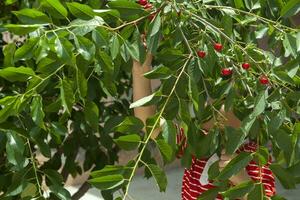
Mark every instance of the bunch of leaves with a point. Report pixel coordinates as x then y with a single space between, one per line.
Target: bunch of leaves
66 89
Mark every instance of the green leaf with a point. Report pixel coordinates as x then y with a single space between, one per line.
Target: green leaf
26 50
165 149
257 193
239 190
60 192
155 26
235 137
291 8
110 170
128 142
82 27
31 16
260 104
29 191
64 49
13 74
160 72
37 136
9 52
127 9
146 101
10 106
21 29
55 177
55 8
85 47
66 95
37 112
107 182
286 179
247 124
210 194
114 47
107 64
235 165
239 4
14 149
81 11
100 37
290 45
91 114
130 125
169 133
159 175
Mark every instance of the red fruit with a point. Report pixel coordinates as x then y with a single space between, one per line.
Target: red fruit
201 54
226 72
142 2
148 6
218 47
245 66
264 80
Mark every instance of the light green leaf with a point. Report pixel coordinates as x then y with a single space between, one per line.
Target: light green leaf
159 175
239 190
128 142
22 29
29 191
31 16
127 9
37 112
114 47
60 192
81 11
169 133
55 8
110 170
165 149
26 50
91 114
146 101
85 47
235 165
107 182
290 45
291 8
155 26
64 49
9 52
260 104
160 72
82 27
13 74
66 95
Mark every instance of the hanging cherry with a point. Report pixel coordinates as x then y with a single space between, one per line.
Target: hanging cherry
264 80
148 6
201 54
143 2
218 47
246 66
226 72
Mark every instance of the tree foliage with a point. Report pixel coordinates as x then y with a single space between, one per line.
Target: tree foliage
65 90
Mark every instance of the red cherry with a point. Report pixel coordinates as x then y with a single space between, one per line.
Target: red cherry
201 54
142 2
218 47
226 72
148 6
264 80
245 66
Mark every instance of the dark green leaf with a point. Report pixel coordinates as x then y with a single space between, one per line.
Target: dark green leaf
234 139
284 176
257 193
291 8
169 133
160 72
239 190
60 192
20 29
14 149
165 149
64 49
210 194
114 47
